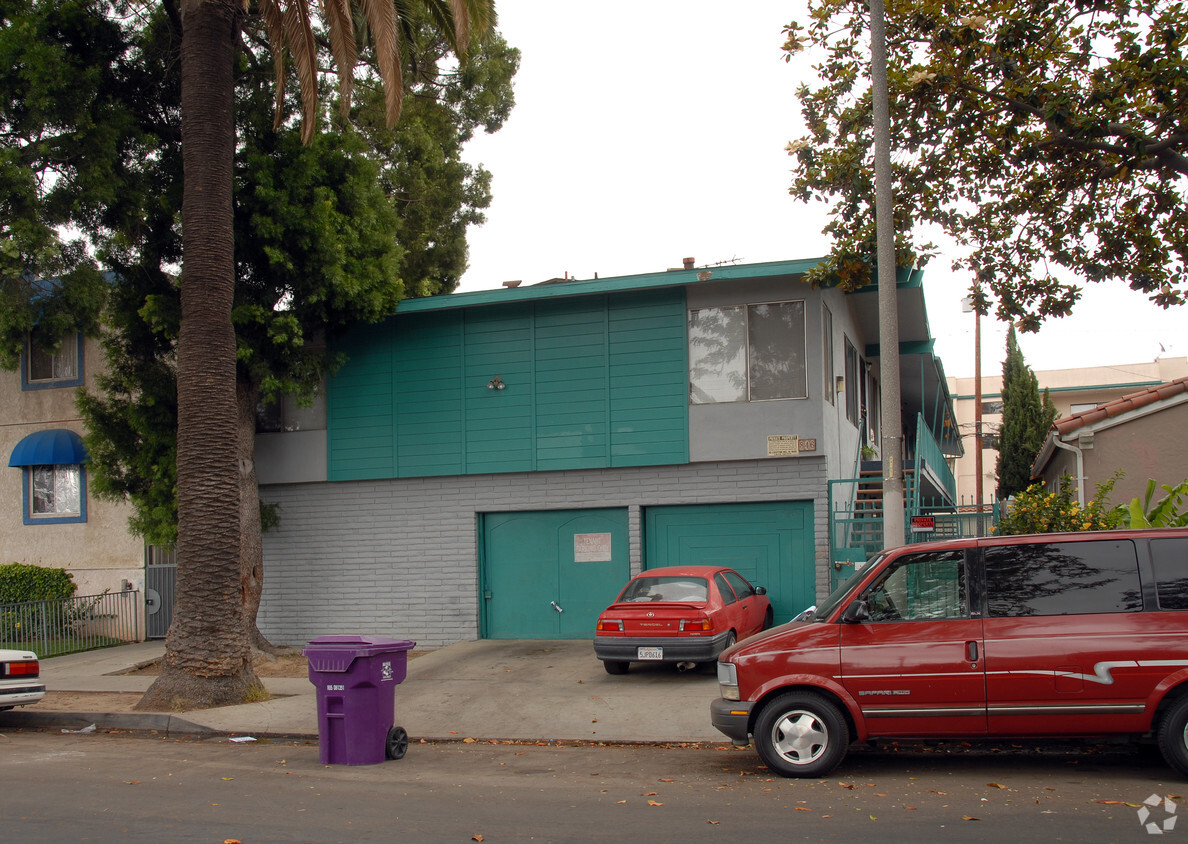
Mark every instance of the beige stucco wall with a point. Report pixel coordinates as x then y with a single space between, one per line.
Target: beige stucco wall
100 552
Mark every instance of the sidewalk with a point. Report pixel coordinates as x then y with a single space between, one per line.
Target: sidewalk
489 689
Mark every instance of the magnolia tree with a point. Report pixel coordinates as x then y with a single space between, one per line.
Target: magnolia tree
1050 139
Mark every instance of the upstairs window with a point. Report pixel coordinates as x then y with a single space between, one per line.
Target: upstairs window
747 353
851 383
827 352
43 367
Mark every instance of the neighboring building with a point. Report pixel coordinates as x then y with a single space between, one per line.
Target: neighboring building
1141 434
497 464
47 515
1072 391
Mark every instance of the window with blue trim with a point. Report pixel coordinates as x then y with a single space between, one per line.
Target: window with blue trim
53 474
55 494
43 367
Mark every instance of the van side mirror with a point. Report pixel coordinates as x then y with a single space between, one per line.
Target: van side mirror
760 590
856 613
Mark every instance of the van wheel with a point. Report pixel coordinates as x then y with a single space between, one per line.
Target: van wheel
615 666
1173 736
801 734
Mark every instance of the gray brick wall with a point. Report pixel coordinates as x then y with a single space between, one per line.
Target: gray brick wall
400 557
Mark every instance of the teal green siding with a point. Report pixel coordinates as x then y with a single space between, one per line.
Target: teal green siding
770 544
429 418
591 382
360 407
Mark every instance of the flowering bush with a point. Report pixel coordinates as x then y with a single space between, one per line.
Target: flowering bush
1037 510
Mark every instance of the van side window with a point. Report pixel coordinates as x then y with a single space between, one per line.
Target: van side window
1170 558
920 586
1062 578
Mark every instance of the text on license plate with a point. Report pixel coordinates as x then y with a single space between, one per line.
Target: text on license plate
649 653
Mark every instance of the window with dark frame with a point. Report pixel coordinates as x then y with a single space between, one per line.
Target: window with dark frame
44 366
747 353
851 384
827 353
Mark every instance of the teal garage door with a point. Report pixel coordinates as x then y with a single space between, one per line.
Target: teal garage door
770 544
547 575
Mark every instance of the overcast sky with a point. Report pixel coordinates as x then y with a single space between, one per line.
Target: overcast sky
647 131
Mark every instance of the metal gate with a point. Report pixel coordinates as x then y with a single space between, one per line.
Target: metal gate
160 588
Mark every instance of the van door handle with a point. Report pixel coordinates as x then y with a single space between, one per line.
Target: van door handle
971 651
557 608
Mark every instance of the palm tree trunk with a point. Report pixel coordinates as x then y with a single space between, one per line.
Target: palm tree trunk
251 546
207 659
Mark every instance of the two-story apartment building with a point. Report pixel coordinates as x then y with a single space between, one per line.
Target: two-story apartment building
47 515
497 464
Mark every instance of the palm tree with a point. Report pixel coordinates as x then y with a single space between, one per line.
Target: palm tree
208 655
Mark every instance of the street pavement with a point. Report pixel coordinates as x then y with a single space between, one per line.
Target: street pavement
486 690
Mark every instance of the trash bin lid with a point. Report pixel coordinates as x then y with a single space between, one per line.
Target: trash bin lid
336 653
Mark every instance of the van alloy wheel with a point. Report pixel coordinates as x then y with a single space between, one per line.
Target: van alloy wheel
801 734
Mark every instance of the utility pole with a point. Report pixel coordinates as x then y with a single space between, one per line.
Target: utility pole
973 304
894 530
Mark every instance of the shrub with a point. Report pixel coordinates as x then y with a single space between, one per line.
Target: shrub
20 582
1165 512
1036 510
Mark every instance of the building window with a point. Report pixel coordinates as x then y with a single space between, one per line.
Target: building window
827 352
289 414
54 480
1081 408
747 353
55 494
42 367
851 383
991 407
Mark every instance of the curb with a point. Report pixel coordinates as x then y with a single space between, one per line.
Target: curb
159 722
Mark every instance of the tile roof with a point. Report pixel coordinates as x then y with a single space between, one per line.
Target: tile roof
1117 407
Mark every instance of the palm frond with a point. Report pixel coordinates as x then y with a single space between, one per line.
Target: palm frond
341 25
300 40
271 13
382 20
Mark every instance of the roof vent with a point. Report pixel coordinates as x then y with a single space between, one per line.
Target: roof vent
511 284
688 263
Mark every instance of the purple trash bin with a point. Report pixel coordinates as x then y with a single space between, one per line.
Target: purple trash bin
356 679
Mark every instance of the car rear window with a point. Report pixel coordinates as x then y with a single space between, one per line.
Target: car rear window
688 589
1170 558
1062 578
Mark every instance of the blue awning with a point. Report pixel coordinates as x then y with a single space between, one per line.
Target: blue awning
55 447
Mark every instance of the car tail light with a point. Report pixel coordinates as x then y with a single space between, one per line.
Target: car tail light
695 625
27 668
610 625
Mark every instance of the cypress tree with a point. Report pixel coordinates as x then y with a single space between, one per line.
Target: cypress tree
1025 421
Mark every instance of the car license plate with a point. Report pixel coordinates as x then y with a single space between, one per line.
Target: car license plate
649 653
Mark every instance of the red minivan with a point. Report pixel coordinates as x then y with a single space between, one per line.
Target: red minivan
1074 634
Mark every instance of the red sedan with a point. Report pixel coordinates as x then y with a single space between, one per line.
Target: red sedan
681 614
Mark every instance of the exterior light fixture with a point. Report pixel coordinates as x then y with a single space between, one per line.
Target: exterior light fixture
496 383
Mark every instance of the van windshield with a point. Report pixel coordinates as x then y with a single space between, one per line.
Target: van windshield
842 592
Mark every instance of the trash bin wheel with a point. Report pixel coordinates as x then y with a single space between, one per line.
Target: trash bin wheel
397 743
